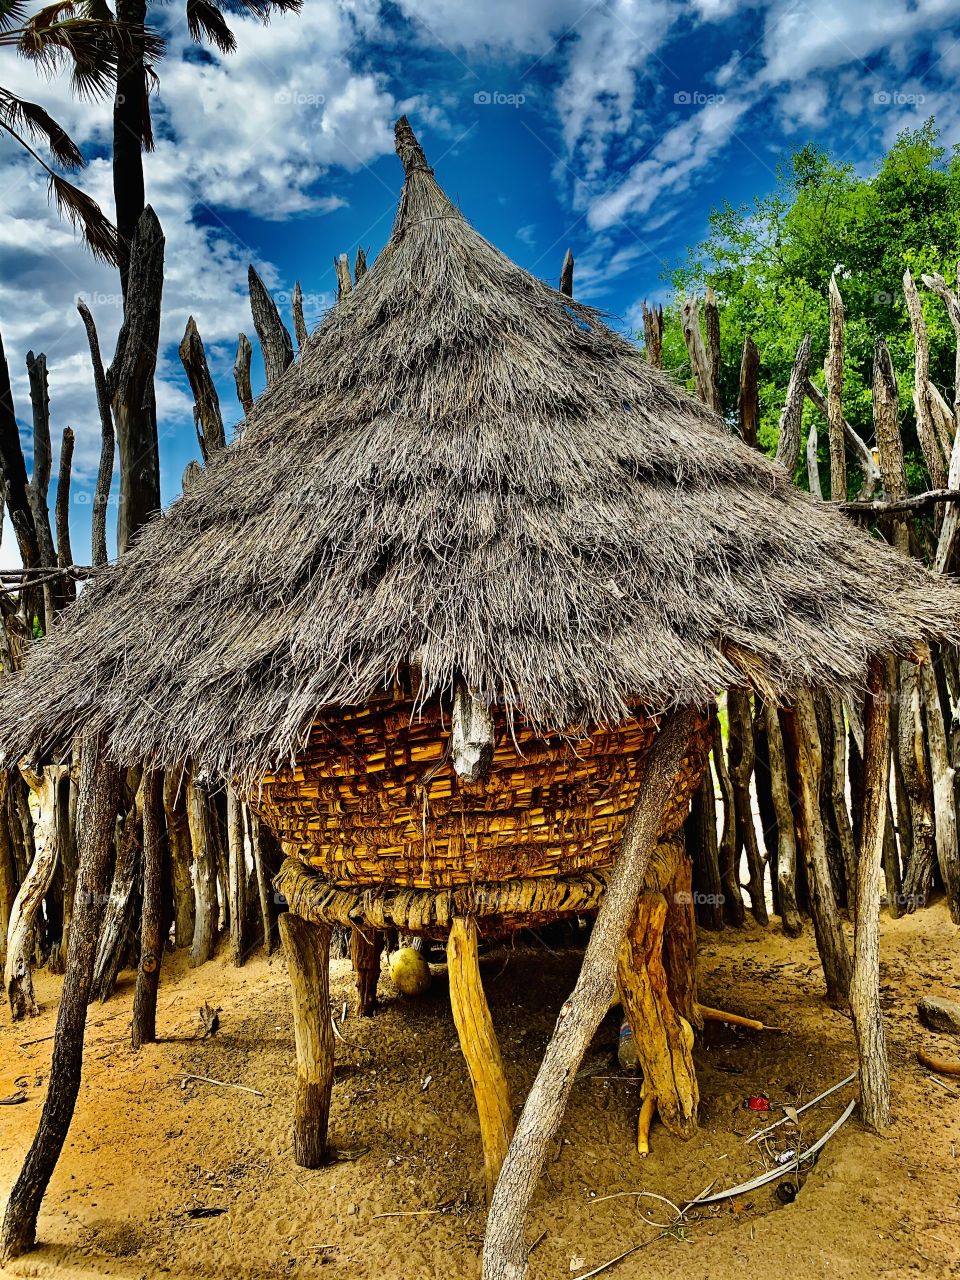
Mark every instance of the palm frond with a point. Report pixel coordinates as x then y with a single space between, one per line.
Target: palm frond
206 22
12 14
99 233
22 114
263 10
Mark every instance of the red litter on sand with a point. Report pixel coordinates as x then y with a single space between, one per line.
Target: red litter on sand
758 1102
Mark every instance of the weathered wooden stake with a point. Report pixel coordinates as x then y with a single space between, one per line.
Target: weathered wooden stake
365 949
799 724
471 1015
155 858
663 1039
865 980
307 948
99 795
504 1252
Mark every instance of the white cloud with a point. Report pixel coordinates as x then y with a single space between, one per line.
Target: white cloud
683 151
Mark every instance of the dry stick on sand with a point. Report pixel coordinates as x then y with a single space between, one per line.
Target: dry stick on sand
504 1253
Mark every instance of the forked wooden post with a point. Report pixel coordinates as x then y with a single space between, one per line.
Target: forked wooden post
307 948
478 1040
662 1037
366 946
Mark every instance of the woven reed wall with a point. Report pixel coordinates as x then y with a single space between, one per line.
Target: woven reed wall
374 799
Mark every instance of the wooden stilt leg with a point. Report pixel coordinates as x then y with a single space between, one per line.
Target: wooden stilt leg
680 942
663 1038
307 948
97 811
479 1044
365 948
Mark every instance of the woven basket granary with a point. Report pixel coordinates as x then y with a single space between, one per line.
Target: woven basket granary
374 798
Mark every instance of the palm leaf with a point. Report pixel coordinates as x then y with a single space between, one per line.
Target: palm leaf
12 14
99 233
206 22
21 114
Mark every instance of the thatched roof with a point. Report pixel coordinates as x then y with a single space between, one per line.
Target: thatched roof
467 467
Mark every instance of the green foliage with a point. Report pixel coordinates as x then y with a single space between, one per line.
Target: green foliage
770 266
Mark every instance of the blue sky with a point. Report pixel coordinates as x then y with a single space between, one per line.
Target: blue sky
612 128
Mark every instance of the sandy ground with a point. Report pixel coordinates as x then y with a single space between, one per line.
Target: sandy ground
146 1148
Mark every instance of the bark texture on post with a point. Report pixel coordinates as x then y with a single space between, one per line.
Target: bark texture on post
122 902
206 409
478 1041
299 324
791 417
181 856
236 878
307 948
699 363
130 382
241 373
663 1042
799 724
741 768
18 968
748 404
504 1253
202 837
42 467
275 342
101 496
263 880
99 795
865 980
151 927
786 835
653 335
733 908
702 846
566 275
68 588
365 951
833 369
926 428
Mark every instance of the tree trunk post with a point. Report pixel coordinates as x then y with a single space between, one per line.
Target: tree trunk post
151 929
478 1040
365 954
206 915
236 878
865 980
786 835
99 796
18 970
504 1252
663 1039
307 948
799 724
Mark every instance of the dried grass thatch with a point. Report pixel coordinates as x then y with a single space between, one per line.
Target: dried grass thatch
466 467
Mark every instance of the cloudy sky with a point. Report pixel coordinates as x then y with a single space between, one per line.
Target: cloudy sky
609 127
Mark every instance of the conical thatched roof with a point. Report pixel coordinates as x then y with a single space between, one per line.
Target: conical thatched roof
467 467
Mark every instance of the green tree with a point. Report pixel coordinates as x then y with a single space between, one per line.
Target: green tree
770 265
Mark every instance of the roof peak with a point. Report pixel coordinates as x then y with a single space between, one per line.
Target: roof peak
408 148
